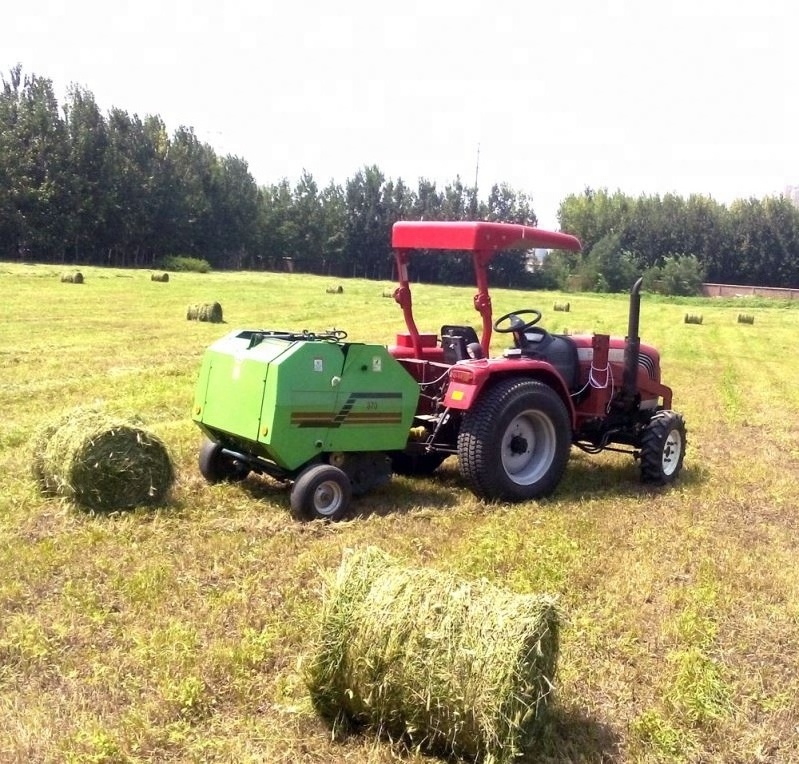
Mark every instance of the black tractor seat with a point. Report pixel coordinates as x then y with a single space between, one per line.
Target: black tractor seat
559 350
460 343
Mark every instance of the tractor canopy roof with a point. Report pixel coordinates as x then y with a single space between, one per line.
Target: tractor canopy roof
477 236
483 239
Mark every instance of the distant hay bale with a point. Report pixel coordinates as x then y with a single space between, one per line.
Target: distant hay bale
452 666
691 318
388 293
562 306
75 277
101 462
746 318
211 312
335 290
162 277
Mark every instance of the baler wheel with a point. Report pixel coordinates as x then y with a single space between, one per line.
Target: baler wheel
514 443
663 448
217 467
321 492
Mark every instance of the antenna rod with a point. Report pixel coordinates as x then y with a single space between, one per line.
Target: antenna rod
476 173
476 169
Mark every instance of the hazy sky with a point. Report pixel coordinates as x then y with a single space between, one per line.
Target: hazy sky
689 96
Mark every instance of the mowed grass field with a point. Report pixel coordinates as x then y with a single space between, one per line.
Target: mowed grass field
177 634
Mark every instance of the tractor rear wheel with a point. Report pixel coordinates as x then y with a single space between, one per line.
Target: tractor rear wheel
218 467
321 492
663 447
514 444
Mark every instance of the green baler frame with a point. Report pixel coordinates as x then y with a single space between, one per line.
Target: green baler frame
289 401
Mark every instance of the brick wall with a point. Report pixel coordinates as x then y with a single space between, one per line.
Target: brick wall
733 290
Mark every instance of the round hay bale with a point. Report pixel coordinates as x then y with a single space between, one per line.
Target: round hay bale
746 318
388 293
38 447
457 667
562 306
691 318
101 462
211 312
72 278
162 277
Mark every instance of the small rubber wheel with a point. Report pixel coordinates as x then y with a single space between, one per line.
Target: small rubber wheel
321 492
663 448
217 467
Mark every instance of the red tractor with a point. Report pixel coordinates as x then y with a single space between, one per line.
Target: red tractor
511 420
333 418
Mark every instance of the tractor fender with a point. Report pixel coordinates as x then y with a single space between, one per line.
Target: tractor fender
467 383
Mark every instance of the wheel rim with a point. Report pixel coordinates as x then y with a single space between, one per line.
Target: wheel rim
528 447
672 449
328 498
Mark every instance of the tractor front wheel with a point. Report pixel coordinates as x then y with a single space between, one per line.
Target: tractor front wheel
217 466
322 492
663 448
514 443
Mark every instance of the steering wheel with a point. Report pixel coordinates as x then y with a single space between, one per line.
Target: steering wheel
515 323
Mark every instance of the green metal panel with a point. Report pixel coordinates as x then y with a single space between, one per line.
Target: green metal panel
299 401
230 389
324 397
376 402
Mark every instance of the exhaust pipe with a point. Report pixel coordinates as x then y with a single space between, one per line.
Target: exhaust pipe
632 345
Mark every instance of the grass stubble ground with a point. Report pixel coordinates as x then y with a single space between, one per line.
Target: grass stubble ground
177 634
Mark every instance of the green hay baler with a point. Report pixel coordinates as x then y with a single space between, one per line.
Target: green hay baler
307 408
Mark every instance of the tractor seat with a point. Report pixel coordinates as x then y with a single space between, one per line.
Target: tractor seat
559 350
456 342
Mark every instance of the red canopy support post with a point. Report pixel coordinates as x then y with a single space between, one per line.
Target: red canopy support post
482 300
402 296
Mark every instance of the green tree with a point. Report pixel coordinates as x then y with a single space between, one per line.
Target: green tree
333 210
682 275
609 268
33 144
368 227
233 197
192 167
88 142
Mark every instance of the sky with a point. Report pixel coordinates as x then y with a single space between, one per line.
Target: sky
548 96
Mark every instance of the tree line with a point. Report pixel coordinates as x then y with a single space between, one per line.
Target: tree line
750 242
79 186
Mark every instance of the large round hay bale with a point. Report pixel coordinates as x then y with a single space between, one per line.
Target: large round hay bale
101 462
211 312
75 277
453 666
162 277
